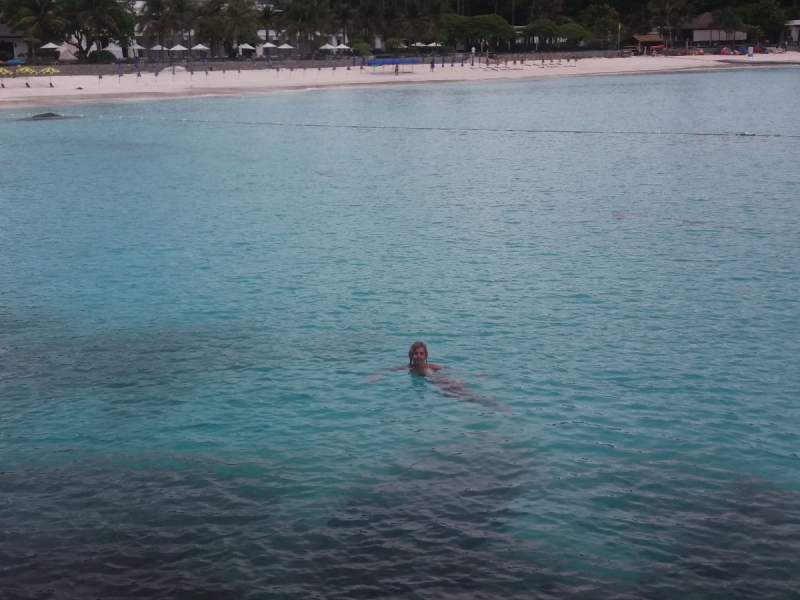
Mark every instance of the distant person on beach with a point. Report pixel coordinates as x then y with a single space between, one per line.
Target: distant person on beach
451 387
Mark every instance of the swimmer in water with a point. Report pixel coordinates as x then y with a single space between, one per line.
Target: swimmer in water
451 387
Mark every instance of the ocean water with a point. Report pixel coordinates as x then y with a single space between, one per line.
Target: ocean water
189 310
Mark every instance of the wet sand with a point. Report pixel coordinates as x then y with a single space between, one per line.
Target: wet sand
91 89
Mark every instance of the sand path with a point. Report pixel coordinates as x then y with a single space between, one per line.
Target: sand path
88 89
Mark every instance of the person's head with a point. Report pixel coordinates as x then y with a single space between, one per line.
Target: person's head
417 354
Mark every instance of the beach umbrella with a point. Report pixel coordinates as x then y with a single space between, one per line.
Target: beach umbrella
246 46
50 46
327 47
420 45
15 61
268 45
285 47
26 71
136 47
176 48
157 47
342 47
49 71
433 45
202 48
5 72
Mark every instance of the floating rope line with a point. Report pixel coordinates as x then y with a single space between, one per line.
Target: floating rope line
458 129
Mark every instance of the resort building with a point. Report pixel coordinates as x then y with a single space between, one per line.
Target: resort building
702 31
12 44
791 33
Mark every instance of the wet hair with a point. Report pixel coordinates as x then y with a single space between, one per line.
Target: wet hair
413 349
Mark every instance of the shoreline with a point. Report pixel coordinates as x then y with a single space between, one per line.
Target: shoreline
86 89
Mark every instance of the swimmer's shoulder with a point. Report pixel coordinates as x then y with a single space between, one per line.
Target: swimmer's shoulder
434 367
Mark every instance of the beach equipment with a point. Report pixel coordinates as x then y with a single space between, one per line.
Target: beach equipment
285 47
26 71
178 48
49 71
50 46
268 45
15 61
246 46
342 47
433 45
157 47
420 45
136 47
327 47
199 47
5 72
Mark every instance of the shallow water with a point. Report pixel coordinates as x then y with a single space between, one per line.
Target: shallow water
189 310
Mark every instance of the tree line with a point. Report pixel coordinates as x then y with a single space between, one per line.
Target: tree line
229 23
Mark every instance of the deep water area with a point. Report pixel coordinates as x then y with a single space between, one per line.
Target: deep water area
193 297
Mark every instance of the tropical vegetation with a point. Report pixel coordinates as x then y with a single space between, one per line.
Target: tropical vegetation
402 23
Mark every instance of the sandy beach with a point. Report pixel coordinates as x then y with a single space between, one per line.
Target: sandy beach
181 84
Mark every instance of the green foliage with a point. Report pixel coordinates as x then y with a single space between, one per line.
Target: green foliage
361 49
395 45
766 16
728 19
601 20
543 28
573 32
104 57
488 27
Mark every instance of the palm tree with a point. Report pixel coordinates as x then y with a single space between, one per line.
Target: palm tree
158 22
208 21
182 18
241 19
106 18
304 18
368 19
667 14
436 11
343 18
40 20
415 20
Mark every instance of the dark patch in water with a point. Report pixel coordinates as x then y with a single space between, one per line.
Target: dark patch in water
49 116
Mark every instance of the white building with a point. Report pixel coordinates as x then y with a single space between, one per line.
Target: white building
704 32
12 42
791 32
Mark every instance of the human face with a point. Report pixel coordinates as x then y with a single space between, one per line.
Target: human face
419 356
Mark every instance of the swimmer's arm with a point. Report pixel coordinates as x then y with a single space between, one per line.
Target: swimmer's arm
467 373
378 374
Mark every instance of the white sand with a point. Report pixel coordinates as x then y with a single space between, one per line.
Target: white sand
182 84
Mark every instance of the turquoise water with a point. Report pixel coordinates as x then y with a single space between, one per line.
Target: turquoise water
189 311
